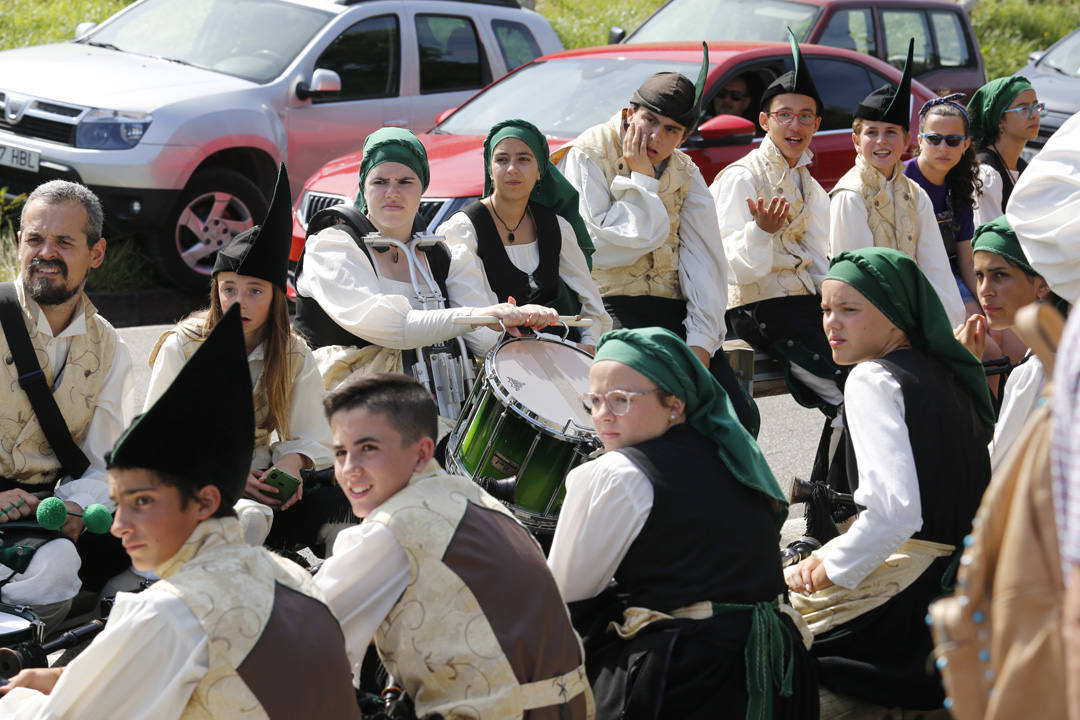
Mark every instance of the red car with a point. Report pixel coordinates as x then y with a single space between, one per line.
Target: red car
568 92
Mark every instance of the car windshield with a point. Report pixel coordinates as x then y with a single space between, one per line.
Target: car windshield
1065 58
251 39
561 97
747 20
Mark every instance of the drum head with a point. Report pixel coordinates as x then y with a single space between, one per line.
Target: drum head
547 378
12 623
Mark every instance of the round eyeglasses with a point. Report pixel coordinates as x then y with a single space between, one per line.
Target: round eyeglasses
1026 111
618 401
786 118
936 138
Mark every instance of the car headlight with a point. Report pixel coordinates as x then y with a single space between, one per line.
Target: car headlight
111 129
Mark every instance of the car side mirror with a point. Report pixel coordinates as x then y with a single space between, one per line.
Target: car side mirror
615 35
445 114
726 130
324 83
84 28
1036 56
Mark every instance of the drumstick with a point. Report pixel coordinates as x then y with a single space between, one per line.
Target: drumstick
570 320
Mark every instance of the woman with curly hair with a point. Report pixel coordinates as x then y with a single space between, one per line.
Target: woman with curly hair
945 167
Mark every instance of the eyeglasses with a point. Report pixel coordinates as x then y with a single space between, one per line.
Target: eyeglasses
618 401
936 138
785 118
1026 111
736 95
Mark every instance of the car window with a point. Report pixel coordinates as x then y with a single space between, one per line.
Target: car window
577 94
852 29
367 56
204 33
516 43
900 26
1065 58
451 57
952 46
842 85
748 20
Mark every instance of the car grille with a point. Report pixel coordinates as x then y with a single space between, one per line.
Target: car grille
313 203
43 120
429 210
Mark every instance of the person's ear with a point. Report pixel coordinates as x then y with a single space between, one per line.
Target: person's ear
425 450
97 253
855 140
763 121
208 499
1042 290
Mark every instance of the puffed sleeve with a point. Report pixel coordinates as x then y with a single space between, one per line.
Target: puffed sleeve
575 273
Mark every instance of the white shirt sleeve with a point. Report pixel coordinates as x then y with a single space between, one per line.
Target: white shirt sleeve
888 482
816 240
362 581
703 271
934 261
607 503
625 218
112 413
1044 208
748 248
988 200
339 277
467 287
849 223
575 273
1022 392
309 431
143 666
167 364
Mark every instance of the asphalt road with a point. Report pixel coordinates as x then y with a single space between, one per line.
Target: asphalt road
788 437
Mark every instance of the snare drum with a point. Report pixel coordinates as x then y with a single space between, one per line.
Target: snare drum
19 624
524 424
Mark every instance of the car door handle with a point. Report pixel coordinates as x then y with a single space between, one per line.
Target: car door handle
395 123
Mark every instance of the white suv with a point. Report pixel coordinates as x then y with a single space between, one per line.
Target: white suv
176 112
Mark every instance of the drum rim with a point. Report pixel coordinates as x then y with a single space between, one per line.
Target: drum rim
577 432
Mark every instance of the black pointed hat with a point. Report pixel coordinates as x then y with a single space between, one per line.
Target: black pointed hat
796 81
262 251
672 95
891 104
202 428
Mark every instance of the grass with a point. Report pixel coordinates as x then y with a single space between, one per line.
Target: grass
1010 29
579 23
32 22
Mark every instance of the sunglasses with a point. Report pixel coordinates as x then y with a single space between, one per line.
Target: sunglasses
1026 111
936 138
736 95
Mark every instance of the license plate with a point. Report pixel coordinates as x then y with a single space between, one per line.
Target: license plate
19 158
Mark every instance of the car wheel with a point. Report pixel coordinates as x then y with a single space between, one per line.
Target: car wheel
215 206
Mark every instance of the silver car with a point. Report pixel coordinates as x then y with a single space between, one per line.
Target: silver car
177 112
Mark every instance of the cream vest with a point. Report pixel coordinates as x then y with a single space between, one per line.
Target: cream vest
25 454
894 218
437 641
188 330
229 586
655 273
790 273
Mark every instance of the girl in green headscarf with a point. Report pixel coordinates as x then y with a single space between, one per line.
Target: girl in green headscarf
917 416
1006 283
527 231
359 308
683 513
1004 116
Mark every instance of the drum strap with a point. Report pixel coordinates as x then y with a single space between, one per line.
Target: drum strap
18 545
33 382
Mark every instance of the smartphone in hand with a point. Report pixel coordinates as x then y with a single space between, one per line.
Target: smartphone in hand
285 483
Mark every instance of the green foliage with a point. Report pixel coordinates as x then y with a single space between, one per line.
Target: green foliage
33 22
579 23
10 206
1010 29
126 267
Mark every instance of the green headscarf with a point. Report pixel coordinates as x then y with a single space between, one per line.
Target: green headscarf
897 287
988 106
392 144
552 190
998 237
664 358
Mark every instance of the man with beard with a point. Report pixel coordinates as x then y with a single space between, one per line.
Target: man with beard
87 370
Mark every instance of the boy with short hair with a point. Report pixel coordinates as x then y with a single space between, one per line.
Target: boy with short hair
455 593
208 639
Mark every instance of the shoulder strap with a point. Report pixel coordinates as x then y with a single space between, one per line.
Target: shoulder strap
345 217
32 380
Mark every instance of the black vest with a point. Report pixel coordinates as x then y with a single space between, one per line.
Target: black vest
989 156
311 321
951 458
708 537
505 278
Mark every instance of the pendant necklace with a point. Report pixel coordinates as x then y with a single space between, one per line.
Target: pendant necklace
510 230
